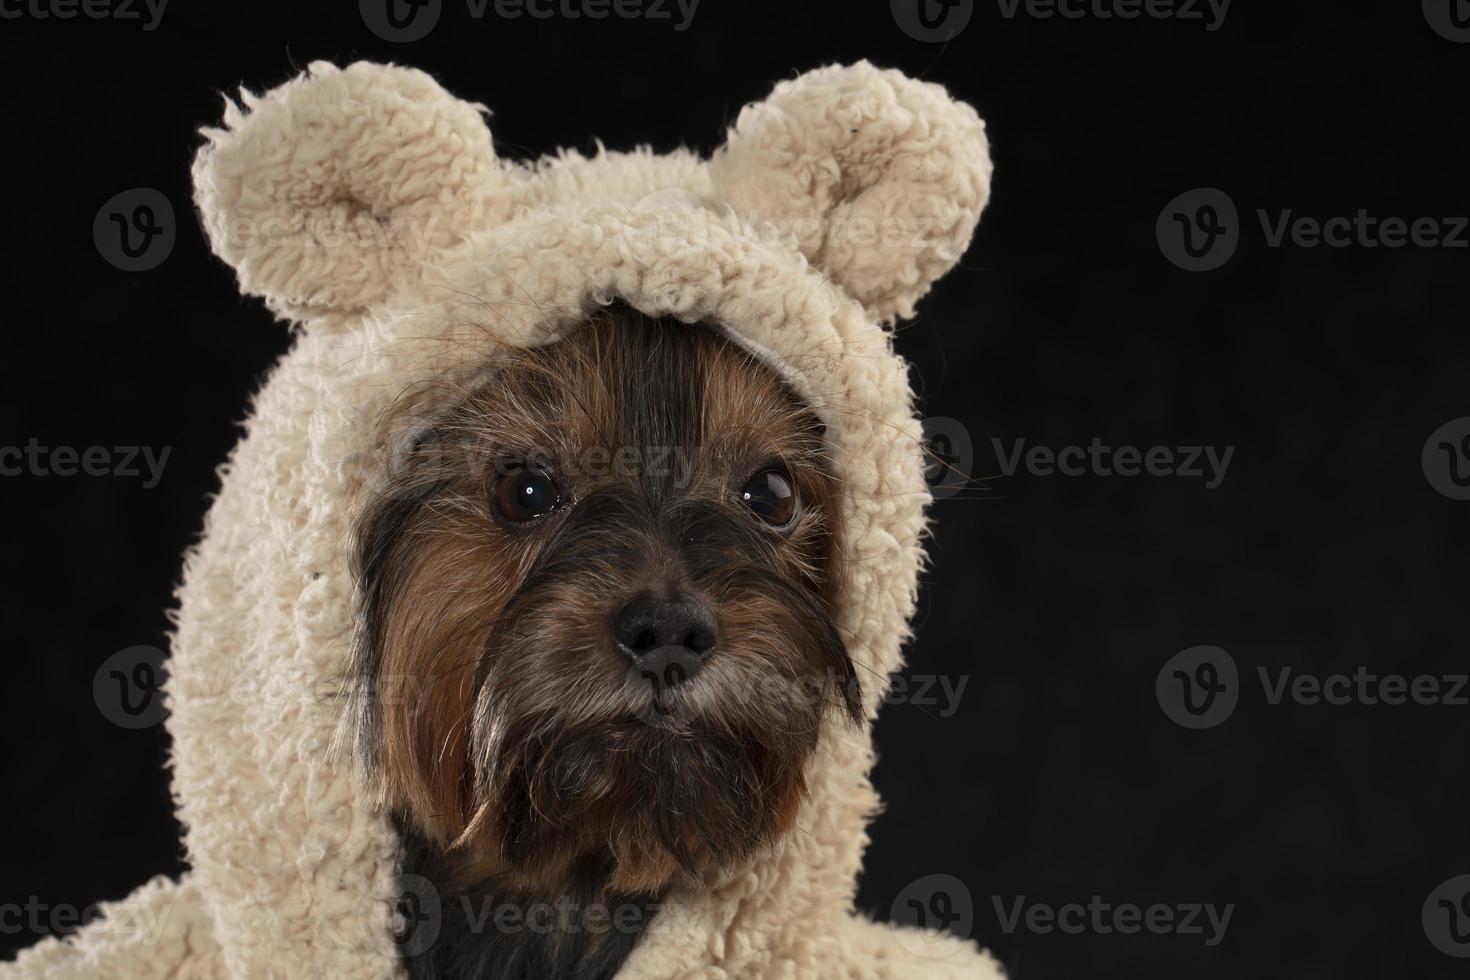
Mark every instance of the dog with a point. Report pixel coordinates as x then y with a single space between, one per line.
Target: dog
595 636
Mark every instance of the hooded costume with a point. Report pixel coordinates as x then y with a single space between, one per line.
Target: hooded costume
368 206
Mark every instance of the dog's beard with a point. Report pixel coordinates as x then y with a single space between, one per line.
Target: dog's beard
574 751
494 711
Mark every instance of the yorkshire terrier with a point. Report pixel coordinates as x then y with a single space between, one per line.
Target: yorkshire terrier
596 638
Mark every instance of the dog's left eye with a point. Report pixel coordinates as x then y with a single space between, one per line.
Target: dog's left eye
522 495
772 496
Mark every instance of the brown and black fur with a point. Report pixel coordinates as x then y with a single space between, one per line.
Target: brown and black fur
522 758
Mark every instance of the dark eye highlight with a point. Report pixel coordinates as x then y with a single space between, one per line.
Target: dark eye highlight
772 496
520 494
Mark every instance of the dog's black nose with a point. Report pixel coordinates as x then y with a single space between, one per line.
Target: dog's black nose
648 622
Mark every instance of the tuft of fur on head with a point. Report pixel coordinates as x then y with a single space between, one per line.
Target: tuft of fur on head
493 711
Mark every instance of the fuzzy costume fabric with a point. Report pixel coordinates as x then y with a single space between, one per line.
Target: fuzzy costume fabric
368 206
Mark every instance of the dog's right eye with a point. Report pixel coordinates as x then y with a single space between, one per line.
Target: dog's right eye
771 495
521 495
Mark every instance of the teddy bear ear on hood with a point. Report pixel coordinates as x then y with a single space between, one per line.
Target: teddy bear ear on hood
338 189
879 177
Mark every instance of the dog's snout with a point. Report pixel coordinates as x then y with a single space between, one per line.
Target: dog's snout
649 622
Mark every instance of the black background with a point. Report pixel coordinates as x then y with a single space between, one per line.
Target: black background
1059 777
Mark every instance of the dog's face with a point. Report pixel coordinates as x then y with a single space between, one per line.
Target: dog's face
597 610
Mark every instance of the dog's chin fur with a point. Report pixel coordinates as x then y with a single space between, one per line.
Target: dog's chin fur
503 727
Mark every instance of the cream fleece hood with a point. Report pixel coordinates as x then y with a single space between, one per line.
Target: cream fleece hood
367 205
